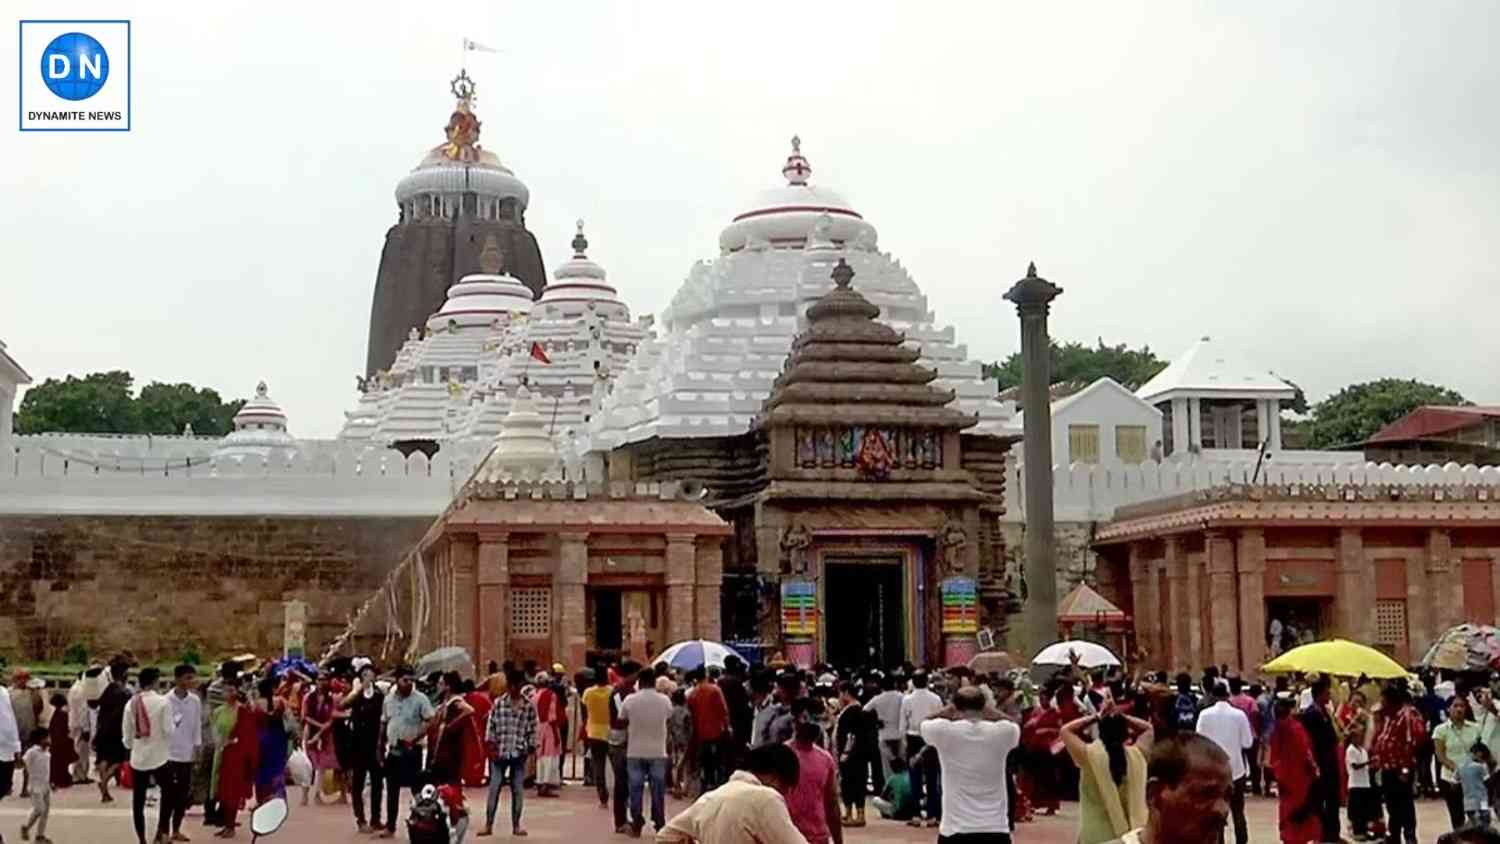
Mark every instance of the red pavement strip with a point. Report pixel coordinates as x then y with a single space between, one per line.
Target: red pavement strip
78 818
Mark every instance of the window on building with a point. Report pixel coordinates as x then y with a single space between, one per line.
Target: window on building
1130 443
1249 426
531 613
1083 444
1390 622
1207 428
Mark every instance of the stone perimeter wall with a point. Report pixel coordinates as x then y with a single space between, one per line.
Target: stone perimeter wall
156 584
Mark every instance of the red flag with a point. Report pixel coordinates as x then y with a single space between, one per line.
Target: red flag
537 353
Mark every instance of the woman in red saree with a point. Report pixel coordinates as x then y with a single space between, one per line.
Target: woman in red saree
451 733
1296 777
1041 739
236 758
475 763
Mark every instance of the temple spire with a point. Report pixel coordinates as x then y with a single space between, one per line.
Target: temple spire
580 243
796 170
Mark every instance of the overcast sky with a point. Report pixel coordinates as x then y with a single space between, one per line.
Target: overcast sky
1315 185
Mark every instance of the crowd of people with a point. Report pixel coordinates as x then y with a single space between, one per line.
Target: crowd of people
769 754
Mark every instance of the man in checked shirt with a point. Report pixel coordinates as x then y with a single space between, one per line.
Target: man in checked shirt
509 737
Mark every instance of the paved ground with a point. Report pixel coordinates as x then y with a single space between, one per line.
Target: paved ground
78 818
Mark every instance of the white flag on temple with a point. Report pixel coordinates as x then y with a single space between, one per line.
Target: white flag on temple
476 46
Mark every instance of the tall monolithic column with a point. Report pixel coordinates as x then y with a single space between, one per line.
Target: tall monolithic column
463 551
1445 585
1032 297
570 643
1250 564
494 599
682 565
1180 653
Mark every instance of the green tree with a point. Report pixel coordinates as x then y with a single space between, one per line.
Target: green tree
1077 362
1356 412
98 403
104 403
166 408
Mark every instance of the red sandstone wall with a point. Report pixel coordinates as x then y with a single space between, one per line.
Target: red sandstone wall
157 584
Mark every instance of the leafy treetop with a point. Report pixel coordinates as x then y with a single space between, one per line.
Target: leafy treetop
105 403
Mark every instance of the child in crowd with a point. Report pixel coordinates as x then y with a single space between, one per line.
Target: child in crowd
679 738
1362 797
38 763
896 802
1471 777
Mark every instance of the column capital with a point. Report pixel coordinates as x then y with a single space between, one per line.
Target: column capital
573 536
681 538
1032 295
493 535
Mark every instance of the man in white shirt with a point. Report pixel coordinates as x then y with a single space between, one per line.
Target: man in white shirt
187 738
974 744
644 714
1230 730
10 743
916 708
886 707
147 732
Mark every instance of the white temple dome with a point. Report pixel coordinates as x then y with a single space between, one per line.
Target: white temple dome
783 216
260 433
523 449
461 165
480 298
580 281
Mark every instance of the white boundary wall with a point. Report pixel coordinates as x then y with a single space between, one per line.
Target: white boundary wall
179 476
1083 493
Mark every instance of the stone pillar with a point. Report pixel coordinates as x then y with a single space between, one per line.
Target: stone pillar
1223 607
1353 588
464 553
1180 653
1032 297
1273 413
1250 564
1445 586
1144 602
682 571
1197 647
709 586
493 611
569 600
1179 426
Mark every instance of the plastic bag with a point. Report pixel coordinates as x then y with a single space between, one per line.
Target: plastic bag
299 768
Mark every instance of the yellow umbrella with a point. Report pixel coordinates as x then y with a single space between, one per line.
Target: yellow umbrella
1336 656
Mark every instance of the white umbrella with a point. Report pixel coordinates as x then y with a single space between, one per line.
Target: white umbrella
1090 654
695 653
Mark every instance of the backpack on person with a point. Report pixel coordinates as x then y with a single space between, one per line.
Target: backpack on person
1185 712
427 821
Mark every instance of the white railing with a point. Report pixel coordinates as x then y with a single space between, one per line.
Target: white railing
1083 493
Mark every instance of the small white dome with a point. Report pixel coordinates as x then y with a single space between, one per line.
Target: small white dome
478 299
259 435
784 216
580 281
523 449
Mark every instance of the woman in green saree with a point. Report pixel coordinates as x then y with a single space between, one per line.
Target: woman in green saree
1111 774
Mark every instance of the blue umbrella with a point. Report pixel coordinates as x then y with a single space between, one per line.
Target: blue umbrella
695 653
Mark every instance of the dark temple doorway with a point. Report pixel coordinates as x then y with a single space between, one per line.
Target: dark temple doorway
864 612
609 619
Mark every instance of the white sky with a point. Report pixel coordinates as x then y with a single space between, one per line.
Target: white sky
1316 186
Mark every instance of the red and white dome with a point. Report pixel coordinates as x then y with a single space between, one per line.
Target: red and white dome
783 217
579 283
478 299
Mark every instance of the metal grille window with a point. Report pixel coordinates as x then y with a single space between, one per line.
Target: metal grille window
1390 622
531 613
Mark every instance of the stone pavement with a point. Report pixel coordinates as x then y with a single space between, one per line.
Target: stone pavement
78 818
